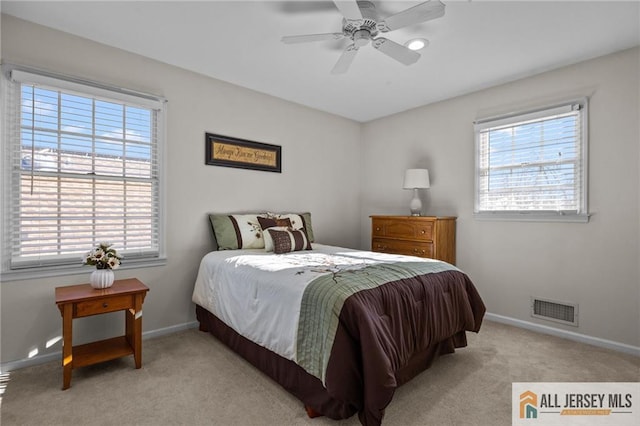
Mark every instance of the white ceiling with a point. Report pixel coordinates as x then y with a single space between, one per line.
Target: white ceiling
477 44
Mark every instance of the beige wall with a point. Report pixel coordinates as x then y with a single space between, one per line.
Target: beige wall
593 264
320 154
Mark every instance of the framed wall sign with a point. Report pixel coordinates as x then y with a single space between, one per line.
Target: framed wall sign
239 153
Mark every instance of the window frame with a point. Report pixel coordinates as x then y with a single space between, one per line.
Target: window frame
582 212
13 77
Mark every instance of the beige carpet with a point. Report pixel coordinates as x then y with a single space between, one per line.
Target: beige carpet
190 378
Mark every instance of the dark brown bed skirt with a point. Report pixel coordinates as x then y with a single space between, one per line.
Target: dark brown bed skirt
306 387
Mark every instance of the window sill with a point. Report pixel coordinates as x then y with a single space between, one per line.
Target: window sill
532 217
56 271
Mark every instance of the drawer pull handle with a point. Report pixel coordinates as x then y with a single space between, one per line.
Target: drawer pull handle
105 305
423 232
377 229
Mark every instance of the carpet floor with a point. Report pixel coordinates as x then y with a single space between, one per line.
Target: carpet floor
190 378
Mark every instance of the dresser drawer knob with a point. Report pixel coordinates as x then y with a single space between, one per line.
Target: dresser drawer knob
423 232
105 305
377 229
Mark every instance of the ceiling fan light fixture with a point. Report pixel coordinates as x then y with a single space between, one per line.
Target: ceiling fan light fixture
361 38
361 24
417 43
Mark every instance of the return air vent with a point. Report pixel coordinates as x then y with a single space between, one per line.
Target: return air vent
562 312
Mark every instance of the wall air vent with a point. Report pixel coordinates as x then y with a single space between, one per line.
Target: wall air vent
562 312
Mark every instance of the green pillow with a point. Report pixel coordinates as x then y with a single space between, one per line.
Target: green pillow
237 231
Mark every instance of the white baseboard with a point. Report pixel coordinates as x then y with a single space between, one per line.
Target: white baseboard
41 359
570 335
169 330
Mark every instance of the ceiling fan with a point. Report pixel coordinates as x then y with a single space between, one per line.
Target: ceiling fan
361 24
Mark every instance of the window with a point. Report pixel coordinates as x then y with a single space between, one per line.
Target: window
83 167
533 166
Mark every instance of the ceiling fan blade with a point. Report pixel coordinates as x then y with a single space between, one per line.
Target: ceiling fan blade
414 15
311 37
303 6
349 9
344 62
396 51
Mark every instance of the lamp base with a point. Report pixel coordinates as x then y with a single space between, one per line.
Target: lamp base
416 204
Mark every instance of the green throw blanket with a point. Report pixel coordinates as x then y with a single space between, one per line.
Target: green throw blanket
324 297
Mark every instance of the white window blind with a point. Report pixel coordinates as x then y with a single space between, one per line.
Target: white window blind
533 165
83 167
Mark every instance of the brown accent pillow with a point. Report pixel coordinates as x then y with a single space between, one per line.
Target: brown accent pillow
286 241
270 222
298 221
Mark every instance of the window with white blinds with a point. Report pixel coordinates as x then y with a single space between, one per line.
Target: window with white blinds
533 166
83 167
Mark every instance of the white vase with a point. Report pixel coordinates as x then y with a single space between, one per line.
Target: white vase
101 278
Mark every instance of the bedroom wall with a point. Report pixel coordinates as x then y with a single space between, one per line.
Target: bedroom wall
596 265
593 264
312 175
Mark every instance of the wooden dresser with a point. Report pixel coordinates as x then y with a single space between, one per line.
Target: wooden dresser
423 236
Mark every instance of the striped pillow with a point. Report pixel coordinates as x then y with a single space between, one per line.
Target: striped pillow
237 231
270 222
289 240
298 221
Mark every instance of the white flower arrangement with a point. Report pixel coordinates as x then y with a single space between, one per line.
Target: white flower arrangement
103 257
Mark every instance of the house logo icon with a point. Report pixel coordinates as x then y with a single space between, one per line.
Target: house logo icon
528 405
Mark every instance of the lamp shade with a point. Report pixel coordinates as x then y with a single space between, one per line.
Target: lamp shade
416 178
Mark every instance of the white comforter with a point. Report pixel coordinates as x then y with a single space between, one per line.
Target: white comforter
258 294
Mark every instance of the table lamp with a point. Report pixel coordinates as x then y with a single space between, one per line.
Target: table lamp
416 179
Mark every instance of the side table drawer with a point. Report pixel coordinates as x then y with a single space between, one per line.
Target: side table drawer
104 305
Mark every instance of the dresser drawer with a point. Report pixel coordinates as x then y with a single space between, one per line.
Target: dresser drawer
410 229
104 305
407 248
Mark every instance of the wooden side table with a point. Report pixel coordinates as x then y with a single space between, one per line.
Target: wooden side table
82 300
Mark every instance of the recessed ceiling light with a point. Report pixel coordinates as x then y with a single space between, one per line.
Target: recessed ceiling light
417 43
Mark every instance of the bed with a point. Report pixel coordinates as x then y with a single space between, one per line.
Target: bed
340 329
